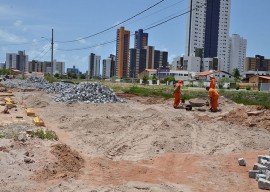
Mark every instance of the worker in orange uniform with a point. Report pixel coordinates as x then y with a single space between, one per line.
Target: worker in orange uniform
213 96
177 93
212 81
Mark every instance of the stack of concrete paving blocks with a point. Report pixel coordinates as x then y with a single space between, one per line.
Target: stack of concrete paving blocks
30 112
9 102
261 172
38 121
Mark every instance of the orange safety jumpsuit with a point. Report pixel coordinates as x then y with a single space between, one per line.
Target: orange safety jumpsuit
212 83
177 93
213 95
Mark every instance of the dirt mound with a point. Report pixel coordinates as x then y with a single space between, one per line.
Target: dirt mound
240 116
143 100
67 165
35 101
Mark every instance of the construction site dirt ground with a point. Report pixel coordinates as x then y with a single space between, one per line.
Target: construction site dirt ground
142 145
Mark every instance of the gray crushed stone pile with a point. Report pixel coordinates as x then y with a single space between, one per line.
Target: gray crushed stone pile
86 92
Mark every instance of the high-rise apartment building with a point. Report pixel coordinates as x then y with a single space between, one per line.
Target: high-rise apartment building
147 58
257 63
122 52
137 62
150 53
45 67
17 61
140 39
58 67
108 67
208 29
160 59
73 70
94 66
237 53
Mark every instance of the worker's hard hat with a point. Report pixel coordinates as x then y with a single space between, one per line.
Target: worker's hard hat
212 76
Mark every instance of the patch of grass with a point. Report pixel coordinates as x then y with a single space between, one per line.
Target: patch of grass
51 79
166 92
8 134
248 97
44 134
245 97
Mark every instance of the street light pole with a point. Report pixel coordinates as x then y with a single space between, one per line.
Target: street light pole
52 55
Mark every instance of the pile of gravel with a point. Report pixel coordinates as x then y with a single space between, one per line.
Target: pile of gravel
67 92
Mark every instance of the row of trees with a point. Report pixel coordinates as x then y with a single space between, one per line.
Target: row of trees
6 72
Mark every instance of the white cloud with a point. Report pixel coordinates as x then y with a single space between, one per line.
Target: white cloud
8 37
18 23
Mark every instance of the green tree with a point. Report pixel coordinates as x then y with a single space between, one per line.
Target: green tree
154 79
56 75
170 79
82 76
74 76
145 79
236 74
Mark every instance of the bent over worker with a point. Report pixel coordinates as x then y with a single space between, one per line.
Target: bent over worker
212 81
177 93
213 96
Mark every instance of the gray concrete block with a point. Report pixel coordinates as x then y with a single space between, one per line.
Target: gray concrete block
267 173
263 157
253 173
263 184
258 166
258 176
241 162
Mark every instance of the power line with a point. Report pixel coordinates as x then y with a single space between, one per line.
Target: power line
158 11
113 25
38 56
151 27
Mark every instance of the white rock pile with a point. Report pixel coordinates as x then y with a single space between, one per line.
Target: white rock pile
86 92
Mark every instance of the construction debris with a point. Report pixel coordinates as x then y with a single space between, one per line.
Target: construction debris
261 172
241 162
86 92
254 113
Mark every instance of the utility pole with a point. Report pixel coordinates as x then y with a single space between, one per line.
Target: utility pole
52 55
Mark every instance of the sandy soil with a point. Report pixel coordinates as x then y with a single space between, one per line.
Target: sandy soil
141 145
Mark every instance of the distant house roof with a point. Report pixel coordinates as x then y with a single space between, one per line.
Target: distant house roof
265 77
260 76
15 70
206 73
150 70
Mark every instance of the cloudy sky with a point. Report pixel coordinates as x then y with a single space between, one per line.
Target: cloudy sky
26 25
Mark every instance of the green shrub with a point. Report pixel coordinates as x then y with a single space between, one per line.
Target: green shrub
44 134
248 88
